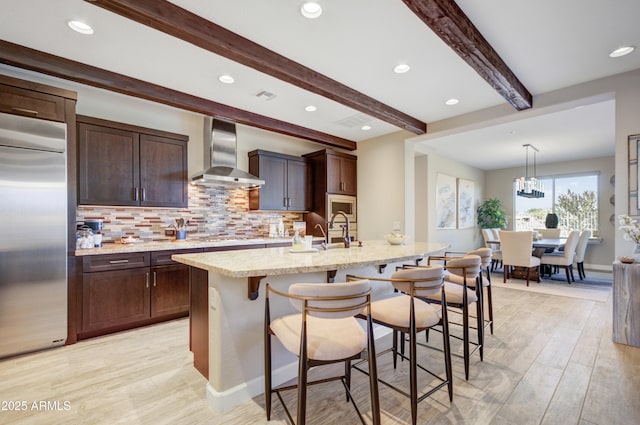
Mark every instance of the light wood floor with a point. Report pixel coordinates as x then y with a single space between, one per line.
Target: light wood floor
550 361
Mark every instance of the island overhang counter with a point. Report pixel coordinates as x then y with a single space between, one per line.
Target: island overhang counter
227 305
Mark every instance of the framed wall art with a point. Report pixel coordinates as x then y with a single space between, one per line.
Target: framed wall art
445 201
466 203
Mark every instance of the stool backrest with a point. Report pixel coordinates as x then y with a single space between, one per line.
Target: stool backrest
331 300
425 280
485 255
468 266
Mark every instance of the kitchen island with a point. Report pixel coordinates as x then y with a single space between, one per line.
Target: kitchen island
227 306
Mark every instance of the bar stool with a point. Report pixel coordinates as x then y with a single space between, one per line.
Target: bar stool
324 332
405 313
486 258
460 272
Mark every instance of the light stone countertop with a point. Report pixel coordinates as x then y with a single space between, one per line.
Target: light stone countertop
279 261
119 248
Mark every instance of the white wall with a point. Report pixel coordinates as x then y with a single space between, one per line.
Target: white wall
381 187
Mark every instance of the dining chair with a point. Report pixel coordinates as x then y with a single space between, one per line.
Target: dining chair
493 235
581 250
516 252
325 331
564 258
407 314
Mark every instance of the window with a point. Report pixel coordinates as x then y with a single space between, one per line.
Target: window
574 198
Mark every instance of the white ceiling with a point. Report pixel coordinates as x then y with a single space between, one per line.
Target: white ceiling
548 44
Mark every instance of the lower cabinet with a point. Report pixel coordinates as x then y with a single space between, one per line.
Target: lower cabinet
115 298
169 290
122 291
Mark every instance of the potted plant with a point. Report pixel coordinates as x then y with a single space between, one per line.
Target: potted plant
492 215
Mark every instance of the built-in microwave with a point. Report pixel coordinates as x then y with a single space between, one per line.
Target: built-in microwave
344 203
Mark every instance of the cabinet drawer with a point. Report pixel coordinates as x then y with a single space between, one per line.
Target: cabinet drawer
18 101
100 263
163 258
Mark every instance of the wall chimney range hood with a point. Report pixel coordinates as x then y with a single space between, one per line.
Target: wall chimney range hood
220 158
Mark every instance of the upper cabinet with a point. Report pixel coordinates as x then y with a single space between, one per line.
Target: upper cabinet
334 172
286 179
35 100
120 164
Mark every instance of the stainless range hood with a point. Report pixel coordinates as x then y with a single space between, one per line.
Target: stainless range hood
220 158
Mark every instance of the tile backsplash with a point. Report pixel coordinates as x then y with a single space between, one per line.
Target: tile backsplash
211 212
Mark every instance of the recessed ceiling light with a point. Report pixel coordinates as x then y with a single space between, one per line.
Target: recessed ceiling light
621 51
365 127
226 79
451 102
401 68
80 27
311 10
310 108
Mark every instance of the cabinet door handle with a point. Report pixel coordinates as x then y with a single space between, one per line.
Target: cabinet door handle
118 261
288 202
135 193
147 279
155 283
284 202
26 111
143 194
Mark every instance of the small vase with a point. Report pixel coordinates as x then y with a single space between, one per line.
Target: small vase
635 254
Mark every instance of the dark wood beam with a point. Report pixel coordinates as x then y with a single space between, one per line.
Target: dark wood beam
449 22
35 60
178 22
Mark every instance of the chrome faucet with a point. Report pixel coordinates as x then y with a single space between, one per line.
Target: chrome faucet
346 229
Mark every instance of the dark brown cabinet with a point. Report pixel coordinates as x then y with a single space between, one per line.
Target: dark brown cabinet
121 291
286 179
115 298
33 100
334 172
126 165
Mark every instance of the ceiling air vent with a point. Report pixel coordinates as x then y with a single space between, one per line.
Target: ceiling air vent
265 95
357 120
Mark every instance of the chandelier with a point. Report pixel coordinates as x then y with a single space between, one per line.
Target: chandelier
530 187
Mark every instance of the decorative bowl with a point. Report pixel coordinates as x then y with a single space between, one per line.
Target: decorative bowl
395 238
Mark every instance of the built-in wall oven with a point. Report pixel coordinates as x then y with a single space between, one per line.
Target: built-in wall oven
336 234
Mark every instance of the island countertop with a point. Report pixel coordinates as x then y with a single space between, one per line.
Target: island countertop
279 261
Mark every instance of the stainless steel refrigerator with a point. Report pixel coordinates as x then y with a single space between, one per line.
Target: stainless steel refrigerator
33 234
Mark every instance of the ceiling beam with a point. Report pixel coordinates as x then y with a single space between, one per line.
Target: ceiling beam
35 60
449 22
187 26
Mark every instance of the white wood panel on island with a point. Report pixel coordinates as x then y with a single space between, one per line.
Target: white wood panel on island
227 321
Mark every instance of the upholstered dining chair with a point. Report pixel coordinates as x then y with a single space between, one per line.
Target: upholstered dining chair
564 258
581 250
325 331
516 252
496 253
407 314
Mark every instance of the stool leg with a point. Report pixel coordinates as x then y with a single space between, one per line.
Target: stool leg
413 365
302 378
347 377
395 348
446 344
373 374
267 360
465 332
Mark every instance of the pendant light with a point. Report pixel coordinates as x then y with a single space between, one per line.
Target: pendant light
529 187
